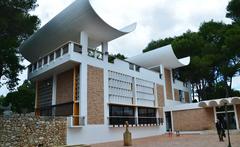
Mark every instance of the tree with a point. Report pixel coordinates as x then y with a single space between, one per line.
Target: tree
159 43
22 100
16 25
118 56
233 10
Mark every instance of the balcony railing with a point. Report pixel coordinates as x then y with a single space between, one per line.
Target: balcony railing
57 53
95 54
134 121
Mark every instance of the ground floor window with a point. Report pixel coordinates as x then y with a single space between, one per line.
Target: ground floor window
220 114
118 115
147 115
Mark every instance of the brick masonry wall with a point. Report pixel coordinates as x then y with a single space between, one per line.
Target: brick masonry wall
194 120
168 82
186 96
29 130
176 95
64 92
161 102
95 101
238 113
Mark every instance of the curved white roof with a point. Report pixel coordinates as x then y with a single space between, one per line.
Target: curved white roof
220 102
66 26
161 56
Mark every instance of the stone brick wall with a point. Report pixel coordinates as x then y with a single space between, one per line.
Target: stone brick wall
238 113
32 131
161 102
194 120
160 95
95 101
186 96
176 95
64 92
168 82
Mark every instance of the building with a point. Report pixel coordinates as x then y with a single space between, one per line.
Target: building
74 79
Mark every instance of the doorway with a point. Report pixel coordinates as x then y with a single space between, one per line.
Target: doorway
220 114
168 120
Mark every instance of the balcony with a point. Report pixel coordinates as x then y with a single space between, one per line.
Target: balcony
60 55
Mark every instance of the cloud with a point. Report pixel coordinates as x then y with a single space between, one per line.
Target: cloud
155 19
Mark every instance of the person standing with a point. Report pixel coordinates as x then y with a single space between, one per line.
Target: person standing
220 129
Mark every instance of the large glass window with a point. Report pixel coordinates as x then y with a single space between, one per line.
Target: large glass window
220 113
147 115
118 115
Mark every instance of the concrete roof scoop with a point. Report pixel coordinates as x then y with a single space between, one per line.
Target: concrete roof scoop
67 26
161 56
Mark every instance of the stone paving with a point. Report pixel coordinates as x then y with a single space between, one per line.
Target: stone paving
203 140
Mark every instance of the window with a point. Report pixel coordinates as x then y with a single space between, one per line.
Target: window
51 56
180 95
77 48
137 68
45 60
58 53
40 63
120 114
131 66
147 115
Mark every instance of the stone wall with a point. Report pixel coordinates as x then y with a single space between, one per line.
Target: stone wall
194 120
28 130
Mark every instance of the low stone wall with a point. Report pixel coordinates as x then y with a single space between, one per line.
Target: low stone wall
28 130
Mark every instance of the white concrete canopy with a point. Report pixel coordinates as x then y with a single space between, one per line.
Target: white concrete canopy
220 102
160 56
67 26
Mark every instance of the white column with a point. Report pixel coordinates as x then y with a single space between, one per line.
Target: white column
236 116
164 84
134 89
84 42
172 121
155 95
106 96
171 75
105 51
83 90
215 114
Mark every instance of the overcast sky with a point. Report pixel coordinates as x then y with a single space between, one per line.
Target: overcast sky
155 19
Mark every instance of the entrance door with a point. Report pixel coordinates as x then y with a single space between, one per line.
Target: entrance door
220 113
168 121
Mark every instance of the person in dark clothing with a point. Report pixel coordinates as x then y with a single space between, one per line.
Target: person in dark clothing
220 130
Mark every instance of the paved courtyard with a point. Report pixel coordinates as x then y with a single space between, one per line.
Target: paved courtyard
182 141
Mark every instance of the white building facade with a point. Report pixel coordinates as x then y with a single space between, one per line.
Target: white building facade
74 79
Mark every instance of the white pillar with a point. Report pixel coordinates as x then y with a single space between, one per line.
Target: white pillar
105 51
84 42
83 90
215 114
236 116
172 121
106 96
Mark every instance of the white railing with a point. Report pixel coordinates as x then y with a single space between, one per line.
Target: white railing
52 56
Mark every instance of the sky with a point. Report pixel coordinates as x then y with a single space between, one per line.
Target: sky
155 19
